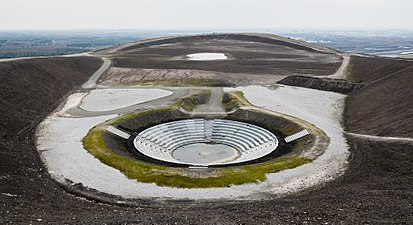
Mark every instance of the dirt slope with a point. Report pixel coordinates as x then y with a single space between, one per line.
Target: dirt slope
28 87
384 106
367 70
29 91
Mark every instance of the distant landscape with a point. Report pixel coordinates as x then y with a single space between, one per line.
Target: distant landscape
50 43
380 43
15 44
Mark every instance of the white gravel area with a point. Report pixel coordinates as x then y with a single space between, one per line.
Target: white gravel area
59 143
207 56
111 99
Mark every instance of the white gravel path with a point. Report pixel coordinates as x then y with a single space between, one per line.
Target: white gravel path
111 99
96 75
60 146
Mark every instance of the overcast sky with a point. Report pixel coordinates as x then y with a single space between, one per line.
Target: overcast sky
206 14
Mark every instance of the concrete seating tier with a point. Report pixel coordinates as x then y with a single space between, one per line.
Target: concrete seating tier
254 138
118 132
250 141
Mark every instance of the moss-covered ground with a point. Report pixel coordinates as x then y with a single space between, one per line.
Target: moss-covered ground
234 100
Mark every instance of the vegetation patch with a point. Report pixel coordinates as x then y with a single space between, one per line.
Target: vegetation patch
179 177
233 100
120 119
189 103
350 75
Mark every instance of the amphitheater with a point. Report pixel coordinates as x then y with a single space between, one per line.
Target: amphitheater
247 141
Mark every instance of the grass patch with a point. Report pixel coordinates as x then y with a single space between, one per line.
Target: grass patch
239 95
153 111
190 102
185 104
177 177
350 75
120 119
233 100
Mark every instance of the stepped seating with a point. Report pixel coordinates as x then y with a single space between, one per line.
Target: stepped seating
159 142
118 132
296 136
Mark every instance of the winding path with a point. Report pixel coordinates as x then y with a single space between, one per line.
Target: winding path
95 77
341 72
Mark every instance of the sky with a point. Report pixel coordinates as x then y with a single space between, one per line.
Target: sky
205 14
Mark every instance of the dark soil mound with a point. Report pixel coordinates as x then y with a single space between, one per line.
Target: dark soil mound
384 106
200 38
247 54
29 91
324 84
30 88
367 70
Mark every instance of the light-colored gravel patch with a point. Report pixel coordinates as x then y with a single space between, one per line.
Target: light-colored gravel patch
111 99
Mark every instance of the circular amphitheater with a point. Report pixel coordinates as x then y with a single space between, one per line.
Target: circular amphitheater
200 142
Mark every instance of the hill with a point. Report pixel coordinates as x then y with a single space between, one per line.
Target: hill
376 187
